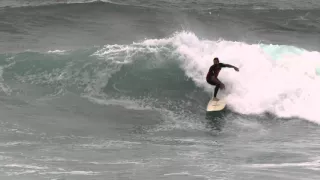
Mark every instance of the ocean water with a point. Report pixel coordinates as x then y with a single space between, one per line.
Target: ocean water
116 90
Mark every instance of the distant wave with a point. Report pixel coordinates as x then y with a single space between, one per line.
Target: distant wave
36 3
179 4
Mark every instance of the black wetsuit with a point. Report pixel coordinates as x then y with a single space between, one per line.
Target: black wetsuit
212 76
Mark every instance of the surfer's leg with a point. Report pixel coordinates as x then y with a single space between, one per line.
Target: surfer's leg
213 82
216 90
209 81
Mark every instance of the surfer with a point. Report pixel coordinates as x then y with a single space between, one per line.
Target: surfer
212 76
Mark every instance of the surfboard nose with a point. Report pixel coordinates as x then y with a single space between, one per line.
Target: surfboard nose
216 105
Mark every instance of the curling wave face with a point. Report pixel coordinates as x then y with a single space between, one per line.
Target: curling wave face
278 79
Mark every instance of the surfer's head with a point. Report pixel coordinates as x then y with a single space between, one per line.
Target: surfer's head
216 60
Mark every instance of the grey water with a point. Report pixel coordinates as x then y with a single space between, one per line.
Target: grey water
116 90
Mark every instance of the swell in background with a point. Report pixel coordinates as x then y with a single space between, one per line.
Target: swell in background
64 25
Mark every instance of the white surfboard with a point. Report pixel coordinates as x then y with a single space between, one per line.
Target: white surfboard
214 105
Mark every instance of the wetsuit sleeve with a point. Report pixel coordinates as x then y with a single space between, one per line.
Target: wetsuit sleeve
222 65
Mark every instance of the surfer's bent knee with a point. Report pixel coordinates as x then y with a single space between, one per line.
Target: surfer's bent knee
209 81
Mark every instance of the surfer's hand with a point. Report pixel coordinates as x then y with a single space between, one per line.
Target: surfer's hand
236 69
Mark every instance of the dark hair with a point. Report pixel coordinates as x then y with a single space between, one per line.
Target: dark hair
216 58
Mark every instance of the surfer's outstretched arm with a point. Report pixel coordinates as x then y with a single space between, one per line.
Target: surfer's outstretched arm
229 66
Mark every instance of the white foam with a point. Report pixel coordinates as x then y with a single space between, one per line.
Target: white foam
57 51
4 87
87 173
123 102
178 173
17 143
106 144
276 79
21 173
25 166
186 173
315 165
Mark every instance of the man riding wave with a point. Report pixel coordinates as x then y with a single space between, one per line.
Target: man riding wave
212 75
